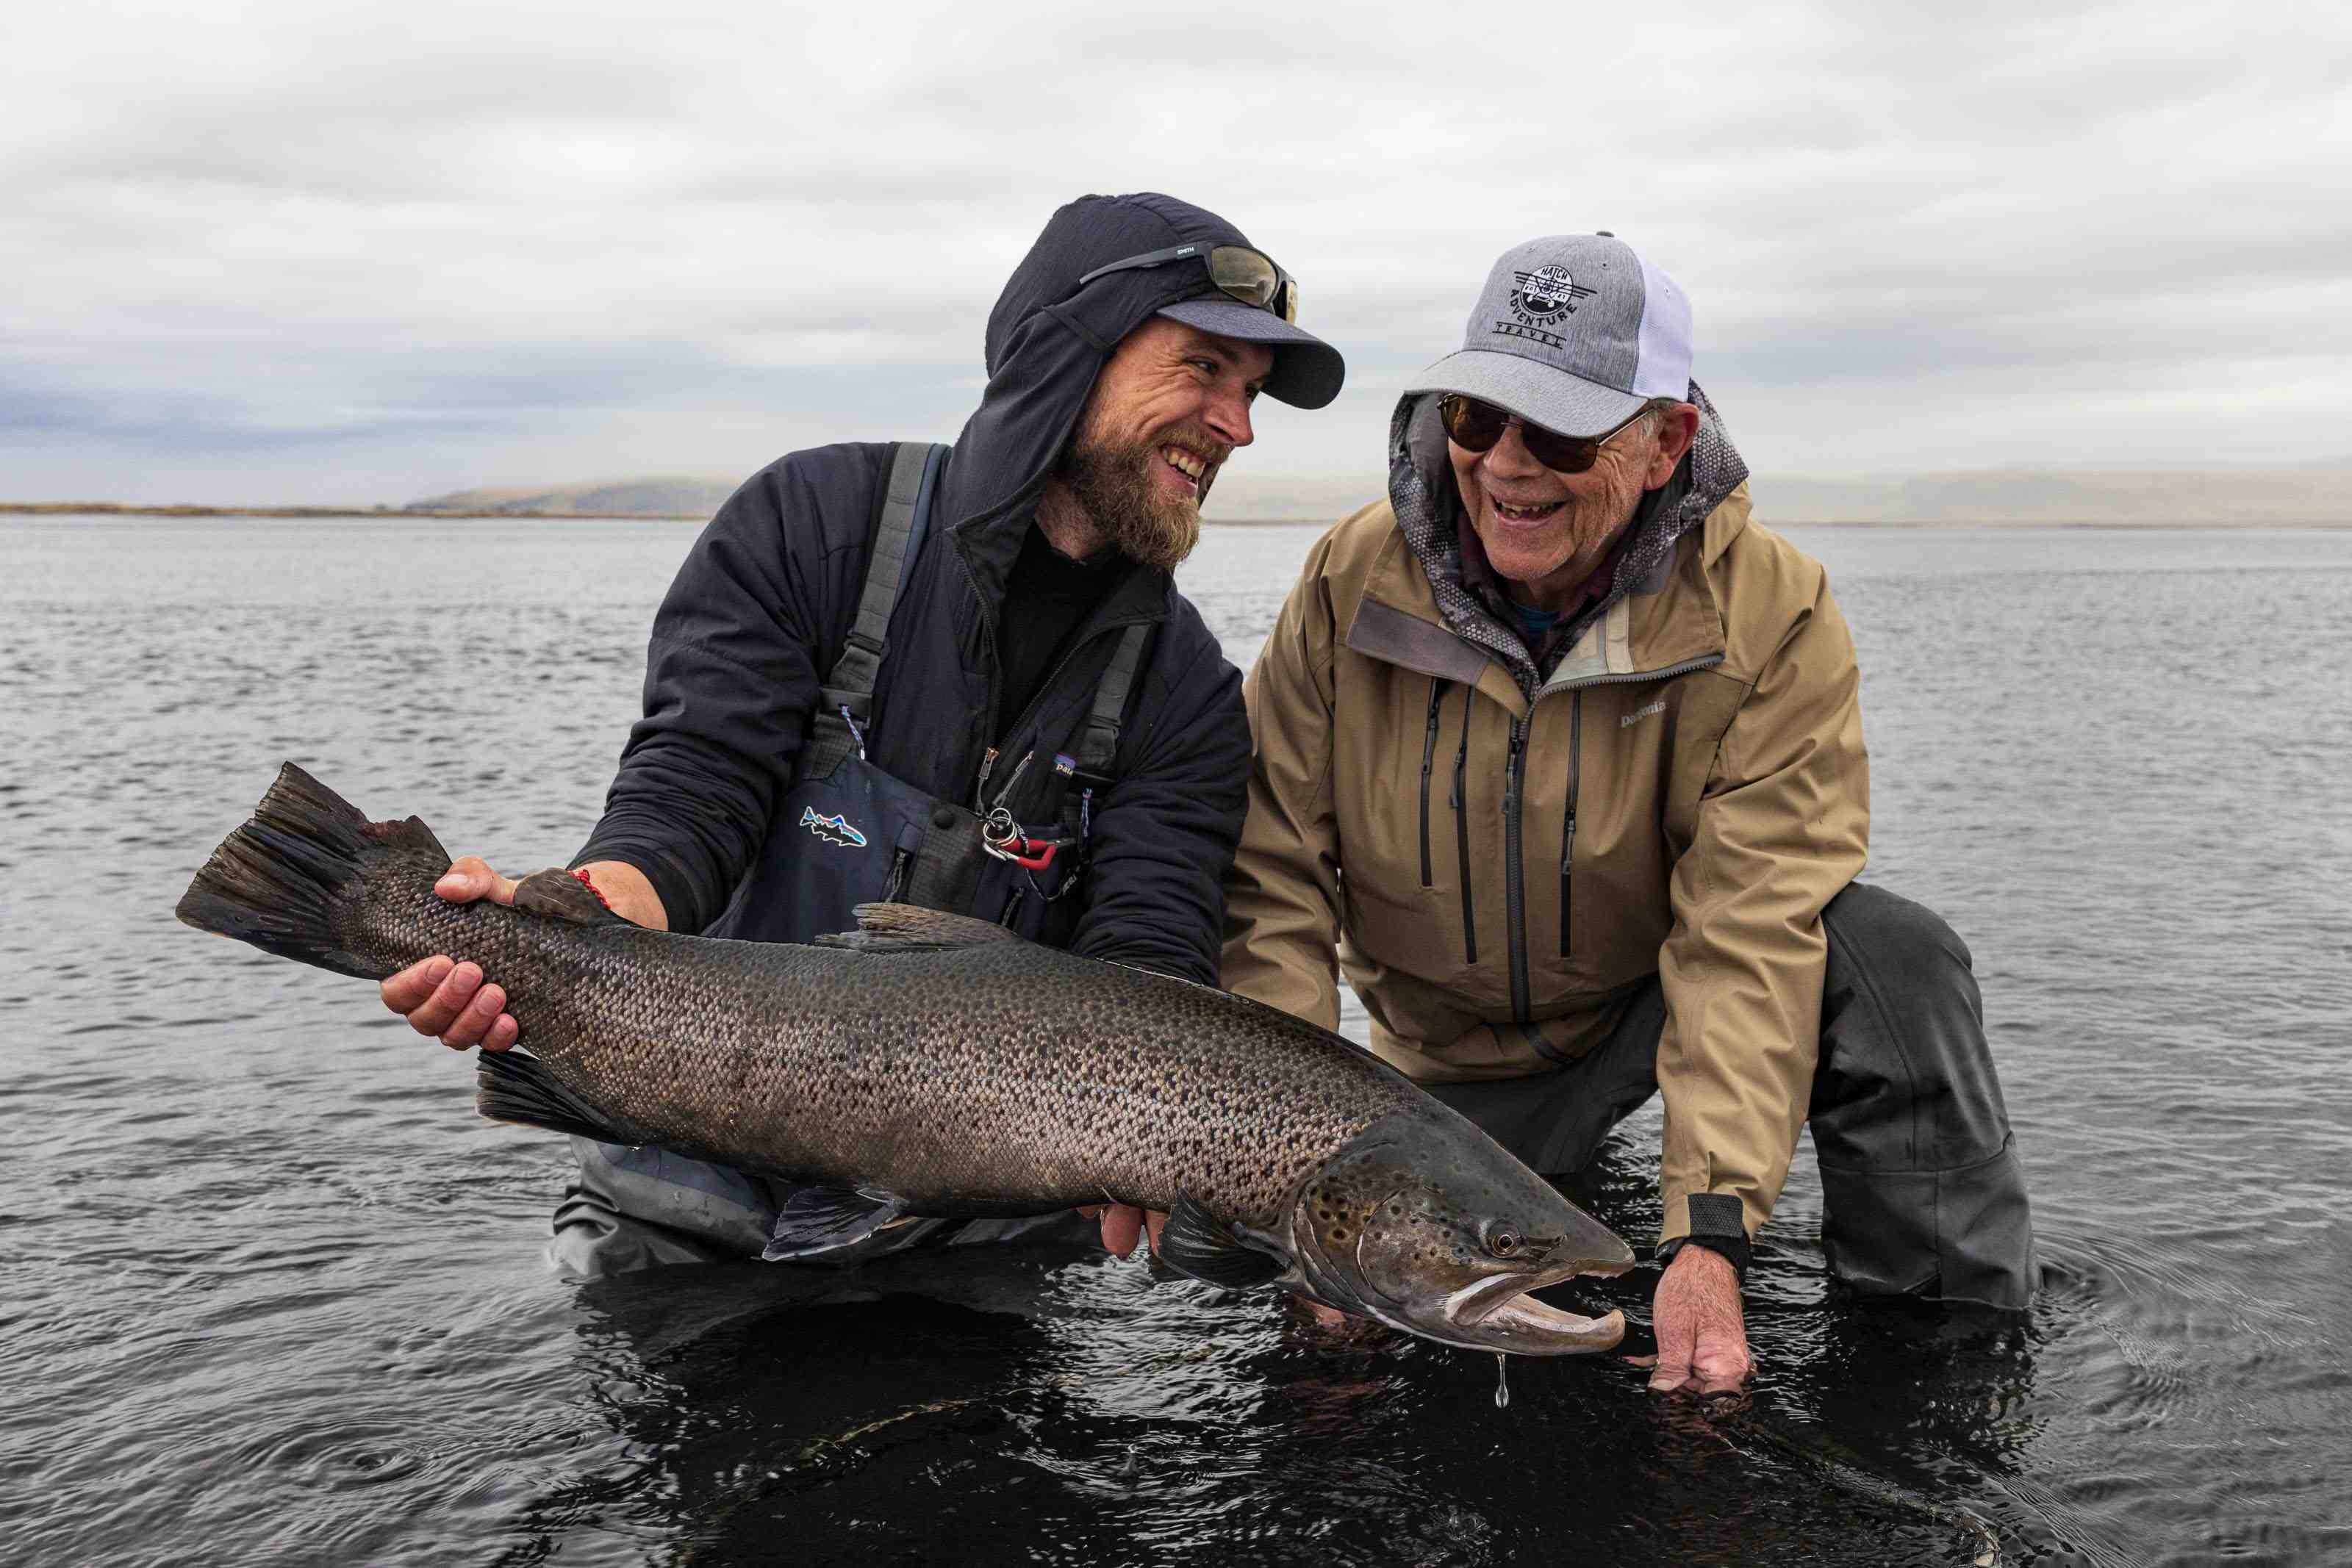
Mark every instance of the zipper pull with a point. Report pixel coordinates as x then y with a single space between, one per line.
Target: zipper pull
1568 844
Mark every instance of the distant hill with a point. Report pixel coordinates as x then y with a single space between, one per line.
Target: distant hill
2316 493
694 498
2153 497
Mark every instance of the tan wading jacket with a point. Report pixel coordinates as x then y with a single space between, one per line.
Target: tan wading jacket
1500 860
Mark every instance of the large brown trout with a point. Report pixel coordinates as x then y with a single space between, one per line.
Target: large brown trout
933 1065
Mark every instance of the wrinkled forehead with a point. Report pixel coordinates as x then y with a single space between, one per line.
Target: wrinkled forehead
1162 338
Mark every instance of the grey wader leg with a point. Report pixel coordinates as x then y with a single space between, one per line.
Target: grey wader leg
1922 1192
637 1209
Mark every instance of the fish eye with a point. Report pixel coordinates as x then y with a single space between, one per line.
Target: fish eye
1501 1241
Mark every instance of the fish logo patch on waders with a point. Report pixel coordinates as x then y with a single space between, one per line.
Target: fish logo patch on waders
833 829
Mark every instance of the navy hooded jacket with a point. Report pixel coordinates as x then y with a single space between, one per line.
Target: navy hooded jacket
765 601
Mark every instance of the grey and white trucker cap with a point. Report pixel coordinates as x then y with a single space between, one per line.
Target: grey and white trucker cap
1575 333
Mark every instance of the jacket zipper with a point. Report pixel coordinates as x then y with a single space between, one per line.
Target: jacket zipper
1462 832
1514 881
1044 690
1568 824
1428 759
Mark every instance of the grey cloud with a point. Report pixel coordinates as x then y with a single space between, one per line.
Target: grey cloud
518 233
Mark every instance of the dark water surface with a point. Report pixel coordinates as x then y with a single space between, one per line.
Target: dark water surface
277 1295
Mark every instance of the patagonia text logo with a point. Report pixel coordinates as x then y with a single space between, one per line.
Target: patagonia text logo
1641 712
833 829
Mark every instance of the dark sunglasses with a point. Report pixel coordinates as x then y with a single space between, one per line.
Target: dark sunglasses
1477 426
1247 275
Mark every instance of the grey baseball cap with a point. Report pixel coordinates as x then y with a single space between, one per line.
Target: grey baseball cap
1573 332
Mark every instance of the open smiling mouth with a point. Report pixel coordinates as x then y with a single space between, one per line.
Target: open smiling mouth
1188 466
1522 516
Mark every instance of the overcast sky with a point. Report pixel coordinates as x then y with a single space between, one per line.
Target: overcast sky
300 251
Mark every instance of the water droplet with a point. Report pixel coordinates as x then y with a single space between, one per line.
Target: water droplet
1501 1381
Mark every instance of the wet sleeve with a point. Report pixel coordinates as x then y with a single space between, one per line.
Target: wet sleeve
1282 908
730 681
1783 825
1164 832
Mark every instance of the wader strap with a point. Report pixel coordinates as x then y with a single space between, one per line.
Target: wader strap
897 540
1099 748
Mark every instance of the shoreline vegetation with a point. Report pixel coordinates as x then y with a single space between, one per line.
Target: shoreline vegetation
1776 519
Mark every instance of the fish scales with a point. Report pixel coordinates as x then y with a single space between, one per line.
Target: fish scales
999 1069
940 1065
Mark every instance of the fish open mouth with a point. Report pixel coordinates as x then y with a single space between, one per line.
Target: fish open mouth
1501 1313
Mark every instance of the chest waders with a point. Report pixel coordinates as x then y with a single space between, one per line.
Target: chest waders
846 833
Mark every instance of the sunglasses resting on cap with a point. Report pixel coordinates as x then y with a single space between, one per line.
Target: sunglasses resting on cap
1248 275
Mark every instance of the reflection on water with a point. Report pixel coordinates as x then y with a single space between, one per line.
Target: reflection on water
278 1295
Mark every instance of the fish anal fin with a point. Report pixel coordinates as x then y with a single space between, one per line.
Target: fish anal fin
557 895
514 1087
822 1218
1195 1242
908 928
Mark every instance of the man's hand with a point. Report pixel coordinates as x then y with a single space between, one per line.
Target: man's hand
1121 1225
455 1001
1702 1334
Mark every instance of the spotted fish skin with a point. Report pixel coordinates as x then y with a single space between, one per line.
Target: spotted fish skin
990 1071
950 1068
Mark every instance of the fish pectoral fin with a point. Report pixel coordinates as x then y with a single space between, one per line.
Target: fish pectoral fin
905 928
559 895
820 1218
1195 1242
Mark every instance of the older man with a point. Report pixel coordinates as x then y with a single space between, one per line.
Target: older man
1019 719
1560 758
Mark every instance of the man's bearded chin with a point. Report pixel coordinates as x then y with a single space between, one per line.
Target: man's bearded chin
1119 492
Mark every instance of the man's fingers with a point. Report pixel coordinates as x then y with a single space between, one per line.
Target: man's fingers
470 877
413 987
1155 1221
472 1025
1674 1362
439 1010
1720 1368
1121 1227
503 1033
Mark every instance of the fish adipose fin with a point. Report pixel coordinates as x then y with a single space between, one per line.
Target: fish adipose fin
821 1219
559 895
1195 1242
281 880
509 1086
905 928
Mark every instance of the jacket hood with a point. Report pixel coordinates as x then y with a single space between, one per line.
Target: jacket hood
1429 511
1047 343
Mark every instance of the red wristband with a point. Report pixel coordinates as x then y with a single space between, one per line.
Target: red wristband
592 888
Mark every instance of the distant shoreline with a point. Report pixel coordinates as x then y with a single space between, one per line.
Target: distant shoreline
124 509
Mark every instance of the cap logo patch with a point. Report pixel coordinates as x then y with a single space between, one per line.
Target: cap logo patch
1546 293
1546 296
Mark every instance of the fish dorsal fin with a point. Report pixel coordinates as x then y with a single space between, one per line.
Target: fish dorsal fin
1196 1242
905 928
559 895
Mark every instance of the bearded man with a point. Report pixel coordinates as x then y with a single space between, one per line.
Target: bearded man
960 679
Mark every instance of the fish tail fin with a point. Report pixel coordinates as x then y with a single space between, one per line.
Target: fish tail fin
512 1087
283 881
